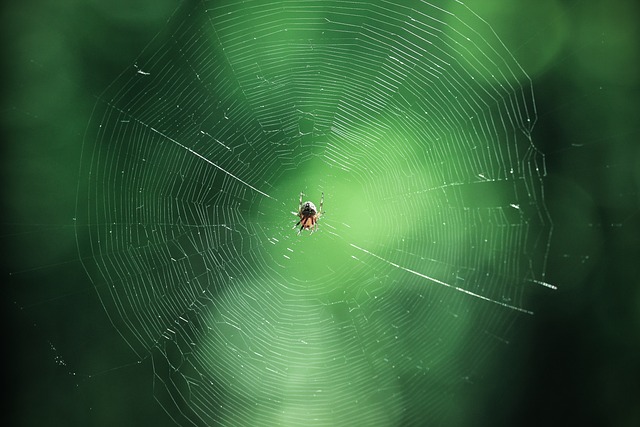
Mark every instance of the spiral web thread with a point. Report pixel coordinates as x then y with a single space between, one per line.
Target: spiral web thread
415 122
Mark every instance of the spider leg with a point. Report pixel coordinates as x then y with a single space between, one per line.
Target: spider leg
300 205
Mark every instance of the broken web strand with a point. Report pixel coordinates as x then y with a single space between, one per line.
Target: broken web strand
415 122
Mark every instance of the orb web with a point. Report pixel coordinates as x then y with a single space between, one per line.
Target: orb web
414 121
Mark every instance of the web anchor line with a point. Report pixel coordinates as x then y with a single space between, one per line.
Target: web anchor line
210 162
545 284
440 282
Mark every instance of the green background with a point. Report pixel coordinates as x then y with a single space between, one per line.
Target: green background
575 360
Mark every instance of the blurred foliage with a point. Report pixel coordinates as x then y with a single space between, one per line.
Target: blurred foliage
575 362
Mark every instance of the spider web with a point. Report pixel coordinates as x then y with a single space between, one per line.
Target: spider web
415 122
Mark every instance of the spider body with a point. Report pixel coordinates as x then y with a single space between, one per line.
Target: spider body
308 215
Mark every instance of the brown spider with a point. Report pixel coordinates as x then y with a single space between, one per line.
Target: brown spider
308 215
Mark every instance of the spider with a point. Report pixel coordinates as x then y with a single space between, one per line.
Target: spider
308 215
